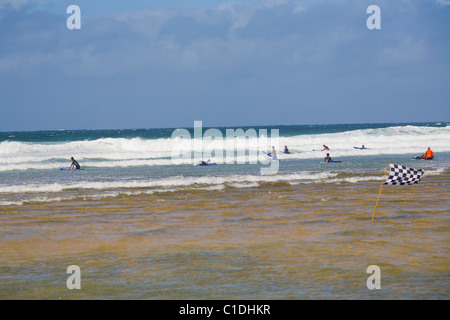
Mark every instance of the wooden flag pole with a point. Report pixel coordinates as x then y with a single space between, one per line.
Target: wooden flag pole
379 193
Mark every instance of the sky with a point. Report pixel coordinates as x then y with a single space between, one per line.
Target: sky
168 63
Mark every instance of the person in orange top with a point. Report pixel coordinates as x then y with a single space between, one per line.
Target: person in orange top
428 154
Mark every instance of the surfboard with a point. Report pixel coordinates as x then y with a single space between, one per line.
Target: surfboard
331 161
69 169
360 148
270 156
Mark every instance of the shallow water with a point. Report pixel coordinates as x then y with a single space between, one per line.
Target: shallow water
140 226
274 240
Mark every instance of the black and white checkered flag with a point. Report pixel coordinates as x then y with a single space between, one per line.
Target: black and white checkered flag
403 175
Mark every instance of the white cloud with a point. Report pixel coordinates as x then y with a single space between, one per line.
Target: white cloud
15 3
444 2
241 12
407 51
274 3
146 21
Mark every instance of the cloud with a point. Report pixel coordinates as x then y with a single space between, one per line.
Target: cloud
13 3
274 33
185 30
240 12
169 64
405 52
444 2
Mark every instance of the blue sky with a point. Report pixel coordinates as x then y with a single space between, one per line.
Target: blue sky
166 63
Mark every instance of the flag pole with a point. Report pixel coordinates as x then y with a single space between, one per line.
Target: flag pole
379 193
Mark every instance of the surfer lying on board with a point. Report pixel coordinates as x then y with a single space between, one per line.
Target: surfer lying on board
429 155
74 164
325 148
203 163
286 150
328 158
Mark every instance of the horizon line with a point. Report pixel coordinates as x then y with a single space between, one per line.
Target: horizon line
235 126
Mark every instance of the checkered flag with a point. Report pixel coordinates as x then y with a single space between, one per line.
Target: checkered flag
403 175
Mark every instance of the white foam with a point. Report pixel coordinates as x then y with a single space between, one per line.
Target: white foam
122 152
244 185
55 192
170 182
393 140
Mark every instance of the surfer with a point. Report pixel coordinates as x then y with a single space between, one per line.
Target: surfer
429 155
203 163
325 148
74 164
273 153
328 158
286 150
362 147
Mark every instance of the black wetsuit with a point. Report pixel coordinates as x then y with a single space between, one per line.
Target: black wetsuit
75 163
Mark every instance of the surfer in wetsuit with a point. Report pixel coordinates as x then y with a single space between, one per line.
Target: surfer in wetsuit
273 153
203 163
328 158
74 164
429 155
325 148
362 147
286 150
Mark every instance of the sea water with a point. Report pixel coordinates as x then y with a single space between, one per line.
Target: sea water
140 225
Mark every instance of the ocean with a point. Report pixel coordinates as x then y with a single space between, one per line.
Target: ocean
143 226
